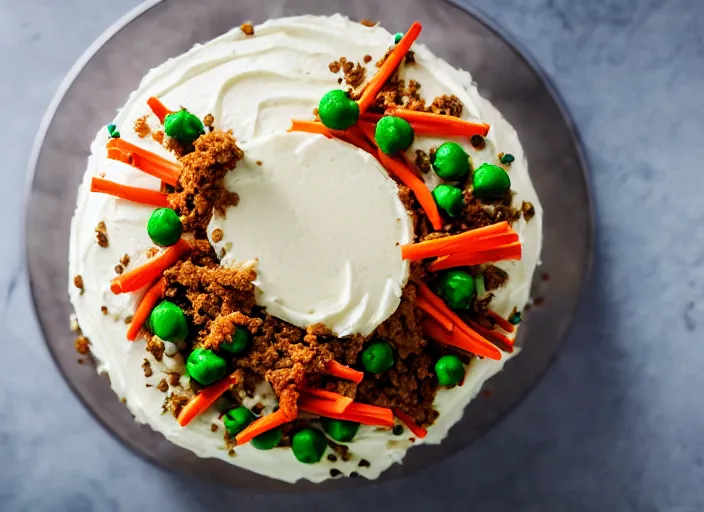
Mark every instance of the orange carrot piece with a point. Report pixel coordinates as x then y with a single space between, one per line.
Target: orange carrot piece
410 423
459 339
351 136
134 194
263 424
156 160
505 252
355 136
360 413
145 307
343 372
151 270
395 57
205 399
479 345
339 402
502 322
439 246
167 175
458 246
158 108
437 315
492 334
448 125
120 155
370 117
399 169
301 125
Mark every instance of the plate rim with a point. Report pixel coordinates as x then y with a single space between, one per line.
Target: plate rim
478 14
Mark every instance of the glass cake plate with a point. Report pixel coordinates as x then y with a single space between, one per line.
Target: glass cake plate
103 78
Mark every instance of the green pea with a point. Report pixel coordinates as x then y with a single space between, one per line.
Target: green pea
507 158
449 199
378 357
393 134
490 180
237 419
342 431
449 370
183 126
397 37
240 341
269 439
337 110
164 227
205 366
457 288
451 162
515 318
169 322
308 445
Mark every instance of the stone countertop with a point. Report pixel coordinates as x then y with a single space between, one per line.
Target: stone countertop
617 422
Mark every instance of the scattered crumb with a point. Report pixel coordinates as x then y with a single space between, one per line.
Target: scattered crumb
411 57
159 136
331 457
334 473
231 452
368 23
82 345
422 161
213 427
128 319
367 59
162 386
156 347
247 28
477 142
125 260
258 162
141 127
147 367
208 120
104 310
217 235
174 378
449 105
494 277
528 210
101 234
78 283
364 463
119 269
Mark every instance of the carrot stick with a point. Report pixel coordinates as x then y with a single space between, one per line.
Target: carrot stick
343 372
145 307
438 246
437 315
370 117
170 168
263 424
458 246
399 169
356 137
410 423
167 175
360 413
449 125
502 322
206 398
151 270
339 402
158 108
120 155
458 339
396 56
492 334
300 125
351 136
134 194
505 252
471 341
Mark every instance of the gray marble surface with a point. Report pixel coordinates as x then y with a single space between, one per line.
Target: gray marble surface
617 423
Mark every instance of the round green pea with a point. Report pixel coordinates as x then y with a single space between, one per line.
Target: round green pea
205 366
308 445
269 439
490 180
337 110
240 341
449 199
164 227
237 419
449 370
183 126
451 161
393 134
397 37
507 158
342 431
169 322
378 357
457 288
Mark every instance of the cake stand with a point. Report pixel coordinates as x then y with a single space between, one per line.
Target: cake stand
113 66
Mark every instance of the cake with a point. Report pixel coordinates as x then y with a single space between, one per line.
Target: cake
303 247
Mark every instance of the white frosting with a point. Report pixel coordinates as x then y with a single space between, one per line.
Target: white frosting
254 86
325 223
